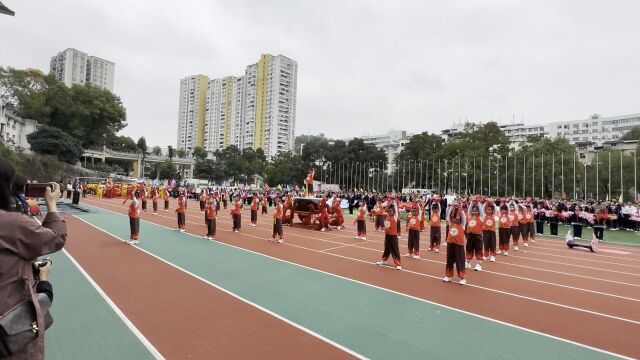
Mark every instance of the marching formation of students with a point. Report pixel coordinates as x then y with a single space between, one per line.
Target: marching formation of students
477 228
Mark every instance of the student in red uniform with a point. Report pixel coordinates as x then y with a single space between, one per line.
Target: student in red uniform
514 219
166 200
523 224
211 216
264 204
277 222
391 236
475 220
379 213
489 231
531 221
236 214
154 200
203 200
134 221
143 196
323 219
181 213
434 224
455 244
504 230
254 210
337 218
361 223
413 228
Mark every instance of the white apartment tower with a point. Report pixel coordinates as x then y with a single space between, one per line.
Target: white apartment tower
193 95
71 67
256 110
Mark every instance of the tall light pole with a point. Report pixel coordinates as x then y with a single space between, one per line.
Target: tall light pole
5 10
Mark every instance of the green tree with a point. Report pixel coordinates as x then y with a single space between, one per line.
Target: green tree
181 153
157 151
52 141
142 145
172 152
121 143
632 134
285 169
167 170
199 153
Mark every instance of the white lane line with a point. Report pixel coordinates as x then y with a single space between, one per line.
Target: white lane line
152 349
377 287
308 331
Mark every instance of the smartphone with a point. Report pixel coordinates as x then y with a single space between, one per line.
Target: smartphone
36 190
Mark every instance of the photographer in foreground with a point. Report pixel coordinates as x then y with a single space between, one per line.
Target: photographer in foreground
22 240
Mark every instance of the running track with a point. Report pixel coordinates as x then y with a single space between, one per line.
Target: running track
590 300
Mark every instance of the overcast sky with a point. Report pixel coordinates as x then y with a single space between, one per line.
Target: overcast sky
363 66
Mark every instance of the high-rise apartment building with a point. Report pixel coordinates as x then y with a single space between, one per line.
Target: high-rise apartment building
256 110
71 67
193 96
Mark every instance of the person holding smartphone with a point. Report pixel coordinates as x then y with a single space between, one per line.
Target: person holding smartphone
22 240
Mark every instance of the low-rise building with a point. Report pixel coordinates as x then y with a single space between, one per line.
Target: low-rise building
14 130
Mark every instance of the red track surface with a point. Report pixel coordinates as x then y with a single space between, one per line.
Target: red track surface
593 299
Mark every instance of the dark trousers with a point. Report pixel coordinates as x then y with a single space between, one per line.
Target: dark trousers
539 227
391 248
553 228
414 241
277 228
434 237
144 205
362 227
474 246
76 198
155 206
254 216
211 227
398 227
134 225
455 256
515 234
68 194
237 222
202 204
577 230
181 220
264 209
503 238
598 231
166 205
379 222
489 242
524 231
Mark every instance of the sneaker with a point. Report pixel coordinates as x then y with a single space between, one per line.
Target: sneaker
271 239
533 240
322 229
280 241
357 237
178 229
363 238
206 237
381 262
236 231
135 242
446 279
398 267
505 253
183 230
416 256
526 244
478 267
437 250
499 252
467 265
515 248
462 282
429 249
492 258
407 255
